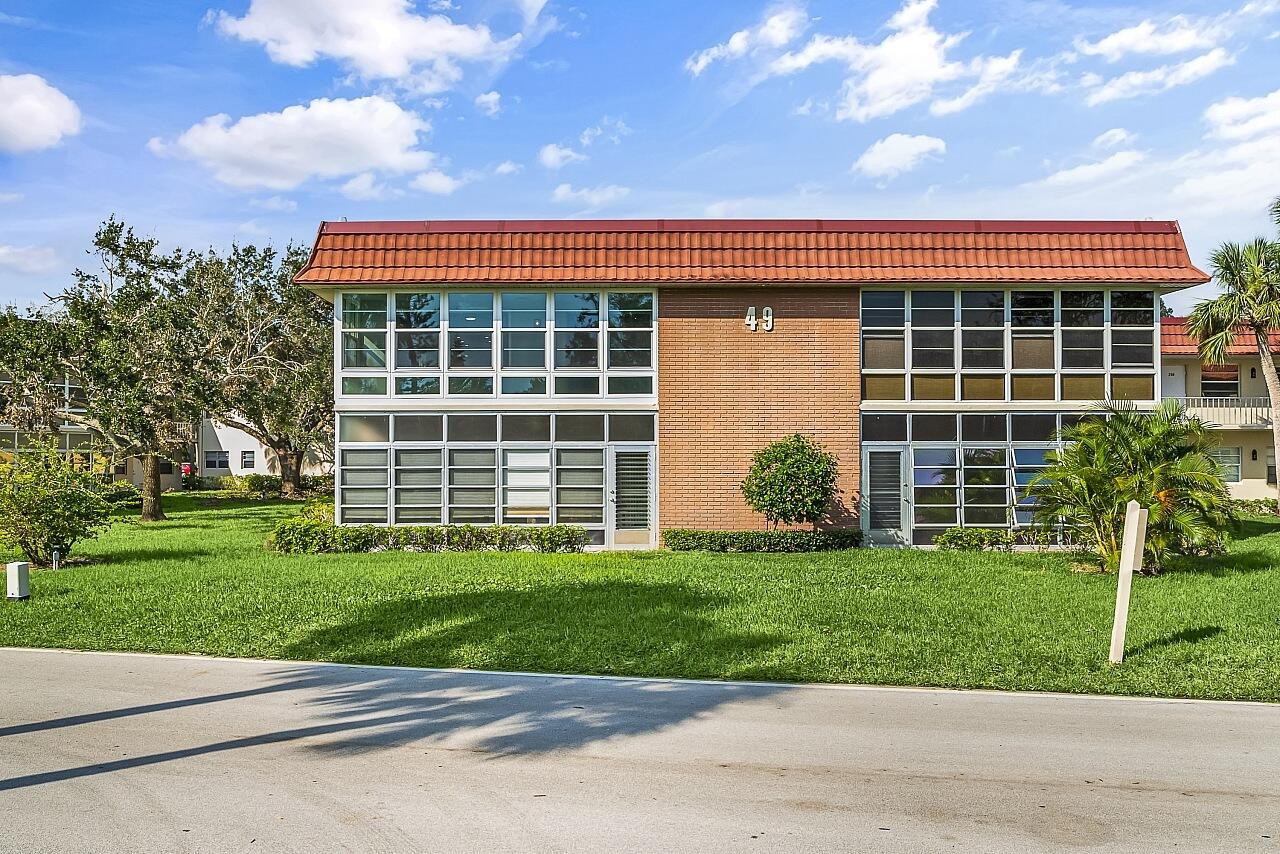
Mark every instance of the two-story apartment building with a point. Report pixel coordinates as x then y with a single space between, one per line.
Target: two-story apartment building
1232 397
619 374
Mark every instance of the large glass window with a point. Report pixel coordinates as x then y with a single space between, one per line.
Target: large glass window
417 349
417 311
364 311
364 349
480 468
1016 345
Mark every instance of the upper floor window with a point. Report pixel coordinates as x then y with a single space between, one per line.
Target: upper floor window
1220 380
1016 345
567 343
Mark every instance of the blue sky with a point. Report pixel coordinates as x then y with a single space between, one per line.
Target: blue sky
252 120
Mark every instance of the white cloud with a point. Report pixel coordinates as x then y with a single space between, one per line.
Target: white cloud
1240 118
366 187
1179 34
325 139
441 5
31 260
896 154
437 183
375 39
780 26
1114 138
1240 178
507 167
1092 173
33 114
1135 83
610 129
278 204
591 197
555 156
11 198
994 73
490 103
911 64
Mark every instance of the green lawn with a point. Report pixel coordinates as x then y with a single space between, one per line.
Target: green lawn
202 583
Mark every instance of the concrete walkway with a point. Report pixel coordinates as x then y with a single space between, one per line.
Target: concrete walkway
124 753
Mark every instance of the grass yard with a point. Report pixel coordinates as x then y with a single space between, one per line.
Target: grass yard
202 583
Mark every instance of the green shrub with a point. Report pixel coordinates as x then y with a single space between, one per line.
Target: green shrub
684 540
262 485
306 534
122 493
319 510
49 504
791 481
1254 506
975 540
317 483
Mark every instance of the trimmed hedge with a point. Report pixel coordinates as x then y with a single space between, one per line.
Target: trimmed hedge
975 540
1254 506
306 534
684 540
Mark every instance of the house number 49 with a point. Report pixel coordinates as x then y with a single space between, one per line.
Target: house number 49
764 322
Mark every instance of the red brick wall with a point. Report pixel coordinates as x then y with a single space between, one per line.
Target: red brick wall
724 392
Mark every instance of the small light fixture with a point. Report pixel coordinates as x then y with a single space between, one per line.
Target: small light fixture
1253 455
1253 373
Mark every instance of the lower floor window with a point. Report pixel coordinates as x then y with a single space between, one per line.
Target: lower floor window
217 460
968 470
482 468
1229 460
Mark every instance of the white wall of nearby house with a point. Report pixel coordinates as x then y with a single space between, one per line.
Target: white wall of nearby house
1241 413
222 450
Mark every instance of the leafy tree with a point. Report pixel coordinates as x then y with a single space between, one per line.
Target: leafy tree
266 352
1161 459
124 338
791 481
1249 307
48 503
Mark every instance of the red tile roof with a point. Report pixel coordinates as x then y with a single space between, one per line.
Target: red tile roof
715 252
1175 340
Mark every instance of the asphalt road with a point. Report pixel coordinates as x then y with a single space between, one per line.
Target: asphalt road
123 753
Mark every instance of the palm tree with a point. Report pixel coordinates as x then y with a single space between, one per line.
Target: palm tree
1250 305
1161 459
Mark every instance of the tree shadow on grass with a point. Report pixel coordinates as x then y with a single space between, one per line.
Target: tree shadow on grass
1183 636
1248 529
1251 551
131 555
596 626
600 627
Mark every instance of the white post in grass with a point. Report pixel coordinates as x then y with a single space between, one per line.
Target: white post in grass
17 574
1135 535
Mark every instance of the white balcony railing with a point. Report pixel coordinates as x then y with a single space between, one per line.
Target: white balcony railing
1230 411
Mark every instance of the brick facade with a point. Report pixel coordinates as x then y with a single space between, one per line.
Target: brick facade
725 391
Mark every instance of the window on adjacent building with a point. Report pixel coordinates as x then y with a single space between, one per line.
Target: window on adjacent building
246 459
1220 380
217 460
1229 460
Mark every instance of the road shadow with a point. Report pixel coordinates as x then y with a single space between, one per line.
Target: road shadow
350 709
1188 635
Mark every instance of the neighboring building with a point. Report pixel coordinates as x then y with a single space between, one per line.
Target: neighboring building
222 450
620 374
1233 397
